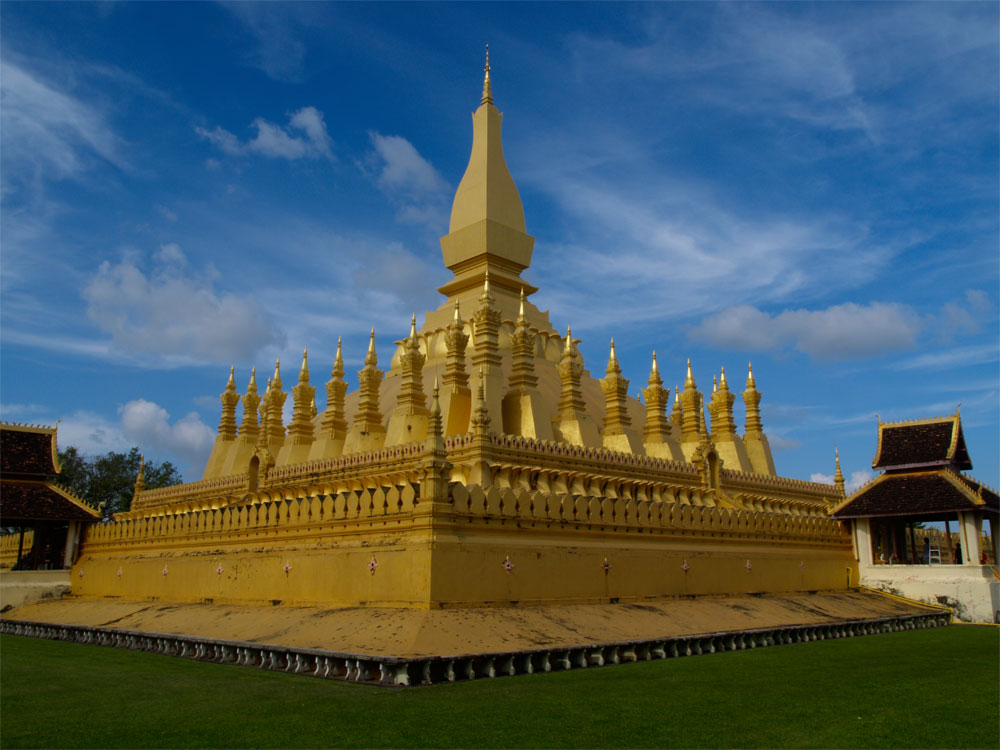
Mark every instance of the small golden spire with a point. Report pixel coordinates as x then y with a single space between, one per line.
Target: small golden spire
276 380
304 370
715 384
253 380
689 380
413 326
751 383
838 476
613 367
371 358
520 309
140 479
568 349
458 316
677 396
487 91
722 379
655 369
338 360
231 383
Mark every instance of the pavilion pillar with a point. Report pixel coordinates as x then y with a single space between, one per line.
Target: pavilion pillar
947 541
995 538
863 526
70 547
971 525
20 549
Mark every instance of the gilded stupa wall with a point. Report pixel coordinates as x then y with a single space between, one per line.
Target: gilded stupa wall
484 465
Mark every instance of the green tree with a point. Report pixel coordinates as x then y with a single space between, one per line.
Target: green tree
110 479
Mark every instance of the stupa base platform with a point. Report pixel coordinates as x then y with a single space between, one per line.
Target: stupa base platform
409 647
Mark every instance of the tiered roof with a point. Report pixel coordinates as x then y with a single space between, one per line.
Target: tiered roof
922 460
28 451
918 493
29 460
937 441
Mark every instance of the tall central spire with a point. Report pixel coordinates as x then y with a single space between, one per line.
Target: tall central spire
487 230
487 91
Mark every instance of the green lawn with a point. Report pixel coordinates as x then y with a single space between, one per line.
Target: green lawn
924 688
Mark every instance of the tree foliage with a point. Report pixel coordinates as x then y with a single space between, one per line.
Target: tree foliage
110 479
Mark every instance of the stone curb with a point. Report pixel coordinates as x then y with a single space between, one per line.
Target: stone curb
427 670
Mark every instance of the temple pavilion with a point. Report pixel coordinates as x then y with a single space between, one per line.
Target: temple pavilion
47 518
923 485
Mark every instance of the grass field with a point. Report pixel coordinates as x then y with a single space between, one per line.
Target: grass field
924 688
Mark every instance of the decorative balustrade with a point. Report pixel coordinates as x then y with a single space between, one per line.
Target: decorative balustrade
263 513
629 515
269 511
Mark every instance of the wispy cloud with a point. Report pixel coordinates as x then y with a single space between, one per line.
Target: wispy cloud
962 356
408 179
633 242
840 332
278 51
48 133
305 137
964 316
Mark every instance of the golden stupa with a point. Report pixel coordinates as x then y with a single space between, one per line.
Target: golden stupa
484 466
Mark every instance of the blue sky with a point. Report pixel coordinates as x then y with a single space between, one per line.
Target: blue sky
810 186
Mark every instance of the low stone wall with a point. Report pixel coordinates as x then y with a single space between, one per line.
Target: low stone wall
19 587
389 671
972 591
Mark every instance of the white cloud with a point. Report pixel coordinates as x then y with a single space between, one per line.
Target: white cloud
48 132
840 332
409 180
857 479
166 213
148 425
171 254
403 168
186 442
171 312
304 137
92 433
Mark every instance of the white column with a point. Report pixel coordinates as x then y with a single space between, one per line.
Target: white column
971 525
864 541
70 544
